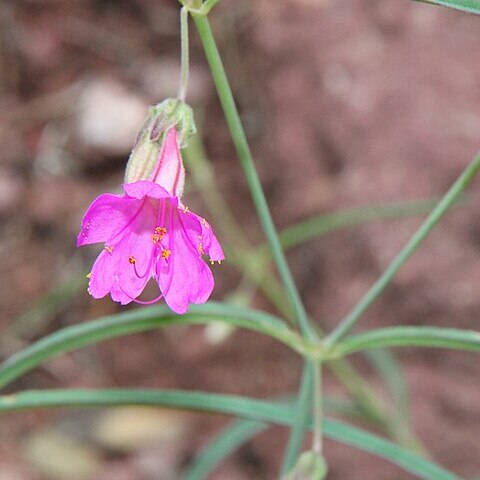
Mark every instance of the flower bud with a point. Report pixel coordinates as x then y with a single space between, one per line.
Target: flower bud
155 155
310 466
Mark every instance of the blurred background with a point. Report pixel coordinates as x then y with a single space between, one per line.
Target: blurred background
346 103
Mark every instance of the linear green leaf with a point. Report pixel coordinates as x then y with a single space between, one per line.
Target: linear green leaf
442 207
303 406
259 410
470 6
389 369
411 337
241 431
329 222
224 444
77 336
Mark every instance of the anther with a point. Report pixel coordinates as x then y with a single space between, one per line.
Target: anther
89 275
200 248
159 234
166 253
132 260
109 249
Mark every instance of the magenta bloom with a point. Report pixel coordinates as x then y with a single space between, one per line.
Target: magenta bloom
149 234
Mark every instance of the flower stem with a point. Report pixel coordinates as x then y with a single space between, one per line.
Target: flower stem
243 151
317 407
417 239
182 89
302 416
209 4
241 250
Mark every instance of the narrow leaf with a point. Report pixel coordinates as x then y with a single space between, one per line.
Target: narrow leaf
389 369
77 336
260 410
470 6
224 444
326 223
411 337
241 431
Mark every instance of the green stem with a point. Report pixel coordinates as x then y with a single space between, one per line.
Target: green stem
209 4
182 89
253 261
246 160
300 420
417 239
240 252
317 407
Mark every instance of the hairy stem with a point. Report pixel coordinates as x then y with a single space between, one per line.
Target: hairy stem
182 89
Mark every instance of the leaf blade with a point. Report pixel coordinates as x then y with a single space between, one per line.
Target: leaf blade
469 6
71 338
259 410
411 337
227 441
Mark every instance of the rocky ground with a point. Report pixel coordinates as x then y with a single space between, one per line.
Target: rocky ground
346 103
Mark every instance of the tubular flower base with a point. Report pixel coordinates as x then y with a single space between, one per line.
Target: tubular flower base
148 234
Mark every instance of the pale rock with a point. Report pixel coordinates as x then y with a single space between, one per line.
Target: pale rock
57 456
108 116
132 428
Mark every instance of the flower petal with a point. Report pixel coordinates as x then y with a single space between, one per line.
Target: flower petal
102 275
145 188
184 277
201 228
169 171
134 265
105 218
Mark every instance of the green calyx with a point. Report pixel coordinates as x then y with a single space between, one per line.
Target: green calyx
147 147
171 113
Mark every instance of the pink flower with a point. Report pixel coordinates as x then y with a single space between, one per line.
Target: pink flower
149 234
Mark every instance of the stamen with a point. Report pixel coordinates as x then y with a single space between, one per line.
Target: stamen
133 261
141 302
159 234
200 248
109 249
186 210
149 302
166 253
205 223
89 275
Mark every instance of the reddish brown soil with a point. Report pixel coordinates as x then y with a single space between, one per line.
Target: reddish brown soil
346 103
